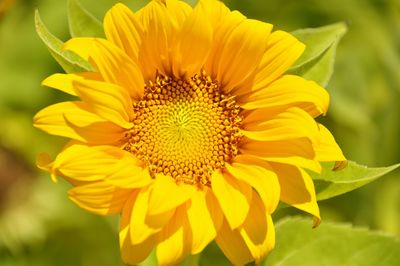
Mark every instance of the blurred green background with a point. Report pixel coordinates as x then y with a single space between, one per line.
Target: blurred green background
40 226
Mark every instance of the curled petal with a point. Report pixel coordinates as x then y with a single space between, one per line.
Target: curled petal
160 198
298 152
133 253
74 120
297 189
233 245
204 220
174 239
234 197
143 225
289 91
100 197
326 147
108 101
264 125
258 230
260 176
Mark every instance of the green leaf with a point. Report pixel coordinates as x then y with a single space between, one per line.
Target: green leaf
81 22
191 260
331 183
318 59
330 244
68 60
151 260
212 255
320 70
318 40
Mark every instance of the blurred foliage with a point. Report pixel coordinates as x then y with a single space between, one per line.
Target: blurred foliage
40 226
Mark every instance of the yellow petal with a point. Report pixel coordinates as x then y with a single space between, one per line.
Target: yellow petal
201 221
133 254
174 239
326 148
109 163
117 68
289 91
100 133
193 45
159 34
240 53
73 120
233 246
251 241
90 76
86 163
179 10
260 176
234 197
282 51
226 25
122 28
110 102
160 197
45 163
214 10
214 209
143 226
297 189
129 172
82 46
100 197
298 152
62 82
258 230
290 124
112 63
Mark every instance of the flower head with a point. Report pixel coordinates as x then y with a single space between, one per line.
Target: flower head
189 129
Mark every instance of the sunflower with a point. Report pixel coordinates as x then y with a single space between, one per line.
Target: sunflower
189 129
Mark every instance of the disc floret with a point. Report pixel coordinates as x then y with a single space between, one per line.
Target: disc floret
185 128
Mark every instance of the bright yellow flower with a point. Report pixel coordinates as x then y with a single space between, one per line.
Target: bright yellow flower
190 129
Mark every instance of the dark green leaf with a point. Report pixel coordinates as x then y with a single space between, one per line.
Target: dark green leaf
212 255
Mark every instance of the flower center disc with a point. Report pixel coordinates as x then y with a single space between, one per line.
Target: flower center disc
185 128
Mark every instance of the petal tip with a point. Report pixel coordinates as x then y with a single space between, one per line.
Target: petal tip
316 221
340 165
